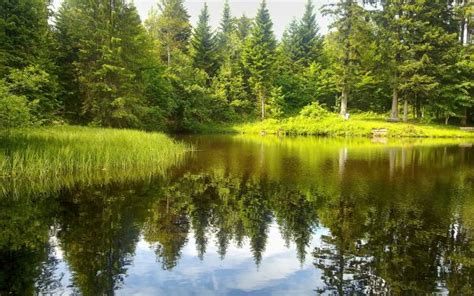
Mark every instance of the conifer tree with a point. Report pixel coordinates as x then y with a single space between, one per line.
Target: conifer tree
24 32
311 42
108 49
244 25
170 27
351 41
227 24
259 56
429 39
204 46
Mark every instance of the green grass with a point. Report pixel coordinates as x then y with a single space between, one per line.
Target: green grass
84 154
333 125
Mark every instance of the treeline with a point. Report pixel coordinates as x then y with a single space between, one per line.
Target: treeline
97 63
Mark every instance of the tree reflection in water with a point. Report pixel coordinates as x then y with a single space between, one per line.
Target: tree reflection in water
398 220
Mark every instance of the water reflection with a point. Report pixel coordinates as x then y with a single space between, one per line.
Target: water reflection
255 215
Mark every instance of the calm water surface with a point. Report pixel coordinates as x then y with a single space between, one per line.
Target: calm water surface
253 215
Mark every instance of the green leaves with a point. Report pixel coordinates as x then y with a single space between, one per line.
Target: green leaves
14 110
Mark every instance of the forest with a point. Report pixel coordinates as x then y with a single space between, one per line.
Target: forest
97 63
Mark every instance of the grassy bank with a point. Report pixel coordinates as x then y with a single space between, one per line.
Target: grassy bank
86 154
356 126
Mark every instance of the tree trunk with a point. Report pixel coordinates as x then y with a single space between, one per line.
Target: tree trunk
168 52
395 104
464 118
344 101
446 120
418 109
405 111
262 99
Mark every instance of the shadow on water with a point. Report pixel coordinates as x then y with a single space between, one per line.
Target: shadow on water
359 218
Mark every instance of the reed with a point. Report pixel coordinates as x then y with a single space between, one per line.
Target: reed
84 154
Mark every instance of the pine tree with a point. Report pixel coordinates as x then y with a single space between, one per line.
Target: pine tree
350 42
301 47
109 49
259 56
226 30
290 44
204 45
171 28
429 39
391 25
311 42
244 26
227 25
23 33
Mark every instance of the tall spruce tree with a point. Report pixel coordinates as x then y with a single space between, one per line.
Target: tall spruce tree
108 51
170 27
429 41
244 26
203 44
24 32
290 44
227 28
311 42
391 23
350 39
227 24
259 56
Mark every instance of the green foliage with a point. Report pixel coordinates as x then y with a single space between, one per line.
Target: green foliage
191 95
244 27
349 46
227 29
96 63
14 110
335 125
314 111
301 41
275 105
170 29
228 88
23 33
39 88
110 87
203 45
258 56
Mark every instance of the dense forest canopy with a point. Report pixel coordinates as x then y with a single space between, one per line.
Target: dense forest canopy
97 63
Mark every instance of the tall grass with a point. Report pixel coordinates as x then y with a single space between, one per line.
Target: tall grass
357 126
71 154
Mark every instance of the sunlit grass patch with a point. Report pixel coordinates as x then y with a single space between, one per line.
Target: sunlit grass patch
335 125
52 154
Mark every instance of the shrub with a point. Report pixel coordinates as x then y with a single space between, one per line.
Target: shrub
14 110
314 111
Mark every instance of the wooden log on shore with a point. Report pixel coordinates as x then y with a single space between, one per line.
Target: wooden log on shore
467 128
379 132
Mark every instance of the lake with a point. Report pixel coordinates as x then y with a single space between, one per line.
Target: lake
252 215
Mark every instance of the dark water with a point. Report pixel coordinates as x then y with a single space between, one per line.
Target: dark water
252 215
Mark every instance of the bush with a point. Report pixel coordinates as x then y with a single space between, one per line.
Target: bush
314 111
38 88
14 110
